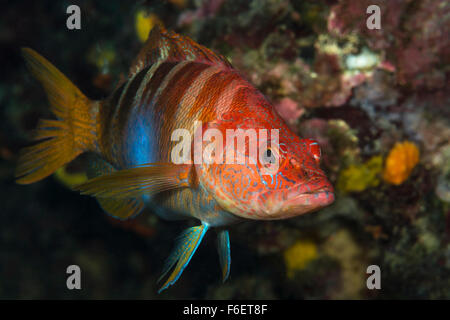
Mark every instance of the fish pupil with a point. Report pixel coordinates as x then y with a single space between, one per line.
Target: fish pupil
269 157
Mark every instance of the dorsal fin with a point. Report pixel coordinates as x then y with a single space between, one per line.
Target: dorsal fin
168 45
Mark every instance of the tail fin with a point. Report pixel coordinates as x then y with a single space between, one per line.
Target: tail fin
61 140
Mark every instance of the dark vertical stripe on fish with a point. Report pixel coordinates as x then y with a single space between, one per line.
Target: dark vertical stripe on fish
125 108
209 93
126 103
107 112
212 91
172 95
155 82
172 76
240 97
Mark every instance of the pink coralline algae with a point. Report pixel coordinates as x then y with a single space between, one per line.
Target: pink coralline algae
208 9
289 110
413 35
348 82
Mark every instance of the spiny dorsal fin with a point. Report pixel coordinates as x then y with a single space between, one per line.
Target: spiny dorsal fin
168 45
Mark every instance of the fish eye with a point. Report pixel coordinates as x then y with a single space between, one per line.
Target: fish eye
268 157
315 150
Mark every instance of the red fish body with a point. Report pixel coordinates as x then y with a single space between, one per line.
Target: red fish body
177 84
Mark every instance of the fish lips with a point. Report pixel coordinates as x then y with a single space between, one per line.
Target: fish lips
295 201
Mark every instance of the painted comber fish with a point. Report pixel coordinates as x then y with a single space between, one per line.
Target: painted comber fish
175 83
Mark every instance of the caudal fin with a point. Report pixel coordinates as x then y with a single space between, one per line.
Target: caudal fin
60 140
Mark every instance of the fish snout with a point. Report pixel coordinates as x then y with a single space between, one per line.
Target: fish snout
297 200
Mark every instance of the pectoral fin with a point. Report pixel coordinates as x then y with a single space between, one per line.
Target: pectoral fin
148 179
185 247
223 247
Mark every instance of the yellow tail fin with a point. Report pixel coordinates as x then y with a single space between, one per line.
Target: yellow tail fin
61 140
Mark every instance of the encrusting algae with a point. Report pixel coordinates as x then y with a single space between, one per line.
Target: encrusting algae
298 256
343 247
144 23
400 162
359 177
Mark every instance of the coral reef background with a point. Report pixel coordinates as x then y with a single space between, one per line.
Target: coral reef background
376 100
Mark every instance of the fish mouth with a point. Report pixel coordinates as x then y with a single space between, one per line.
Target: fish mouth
298 200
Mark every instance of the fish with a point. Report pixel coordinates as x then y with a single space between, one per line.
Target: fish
175 83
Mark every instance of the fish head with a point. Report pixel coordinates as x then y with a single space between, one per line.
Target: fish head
297 186
282 179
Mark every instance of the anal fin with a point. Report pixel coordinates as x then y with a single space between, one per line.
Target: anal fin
122 209
185 247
